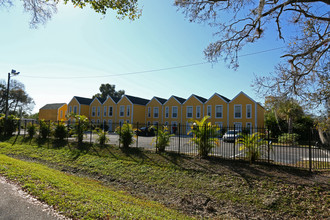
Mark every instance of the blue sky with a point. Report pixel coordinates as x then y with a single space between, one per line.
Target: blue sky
58 61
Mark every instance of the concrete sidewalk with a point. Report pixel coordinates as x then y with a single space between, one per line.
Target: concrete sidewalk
16 204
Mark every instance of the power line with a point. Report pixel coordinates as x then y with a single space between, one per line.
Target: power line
145 71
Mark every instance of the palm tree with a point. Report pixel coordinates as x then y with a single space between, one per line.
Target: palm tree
204 136
252 144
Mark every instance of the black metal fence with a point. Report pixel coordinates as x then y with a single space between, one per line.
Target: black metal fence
303 150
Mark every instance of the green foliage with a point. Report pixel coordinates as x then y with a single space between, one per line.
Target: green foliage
81 125
252 145
44 129
102 138
109 90
60 131
8 126
126 134
204 136
287 138
162 138
32 130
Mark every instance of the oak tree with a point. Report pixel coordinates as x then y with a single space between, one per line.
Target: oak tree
302 24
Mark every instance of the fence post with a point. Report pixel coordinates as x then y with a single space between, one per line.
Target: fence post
310 151
157 138
268 137
234 142
119 132
48 135
179 136
137 136
90 136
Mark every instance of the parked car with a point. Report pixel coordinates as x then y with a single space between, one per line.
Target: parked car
231 136
145 131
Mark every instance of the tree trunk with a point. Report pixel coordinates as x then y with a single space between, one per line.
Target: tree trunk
324 137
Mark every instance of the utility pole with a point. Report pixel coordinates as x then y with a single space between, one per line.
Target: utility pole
14 73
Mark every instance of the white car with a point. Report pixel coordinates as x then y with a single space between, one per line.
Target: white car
231 136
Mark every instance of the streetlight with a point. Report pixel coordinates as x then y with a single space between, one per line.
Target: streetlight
13 73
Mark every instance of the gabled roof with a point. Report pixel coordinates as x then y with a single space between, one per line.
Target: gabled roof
53 106
181 100
202 99
223 97
244 95
137 100
160 100
83 101
101 100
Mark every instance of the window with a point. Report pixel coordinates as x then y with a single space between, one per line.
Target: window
238 126
75 109
220 126
93 111
121 111
248 111
70 109
218 111
174 112
249 126
149 112
98 121
167 110
127 121
121 121
156 112
61 114
105 111
189 111
237 111
209 110
98 111
148 123
156 123
110 110
166 123
128 111
198 111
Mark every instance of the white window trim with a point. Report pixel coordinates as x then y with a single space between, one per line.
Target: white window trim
177 111
234 111
70 109
93 111
98 111
192 111
122 107
200 112
155 112
149 112
215 111
167 111
110 115
128 110
75 108
247 111
207 110
240 125
105 111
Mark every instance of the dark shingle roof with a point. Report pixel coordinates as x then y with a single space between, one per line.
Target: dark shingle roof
181 100
101 100
203 100
137 100
225 98
115 99
83 101
53 106
161 100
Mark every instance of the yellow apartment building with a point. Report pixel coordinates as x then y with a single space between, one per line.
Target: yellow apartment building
131 109
53 112
154 111
192 109
79 105
96 110
173 112
245 112
109 115
216 107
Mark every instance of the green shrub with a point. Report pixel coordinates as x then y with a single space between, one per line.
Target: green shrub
204 136
126 134
80 126
44 129
162 138
8 126
31 130
102 138
287 138
252 145
60 131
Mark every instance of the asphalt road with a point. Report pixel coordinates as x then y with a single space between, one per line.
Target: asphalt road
15 204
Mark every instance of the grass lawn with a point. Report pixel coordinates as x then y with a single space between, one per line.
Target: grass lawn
141 184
